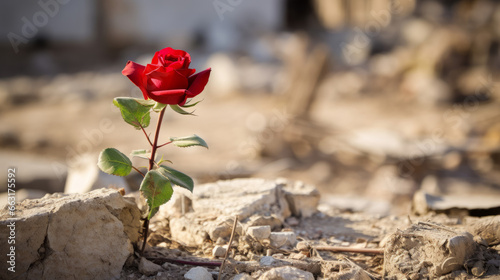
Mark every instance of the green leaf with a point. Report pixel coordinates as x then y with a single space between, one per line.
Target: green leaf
147 103
189 141
134 111
187 105
159 106
176 177
164 160
179 110
141 153
157 190
114 162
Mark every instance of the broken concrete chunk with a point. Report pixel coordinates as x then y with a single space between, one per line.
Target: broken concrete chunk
259 232
242 197
148 268
286 272
428 250
219 251
487 228
255 202
280 239
184 230
302 199
72 236
455 205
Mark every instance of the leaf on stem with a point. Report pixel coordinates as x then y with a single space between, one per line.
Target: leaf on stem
141 154
157 190
159 106
188 141
187 105
176 177
114 162
134 111
179 110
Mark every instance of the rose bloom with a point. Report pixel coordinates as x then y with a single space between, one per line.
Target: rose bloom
168 79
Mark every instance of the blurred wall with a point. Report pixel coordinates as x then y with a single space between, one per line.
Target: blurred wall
119 22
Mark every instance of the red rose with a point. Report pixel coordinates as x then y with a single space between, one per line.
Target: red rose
167 79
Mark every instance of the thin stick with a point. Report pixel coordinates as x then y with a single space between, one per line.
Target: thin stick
228 248
163 260
350 249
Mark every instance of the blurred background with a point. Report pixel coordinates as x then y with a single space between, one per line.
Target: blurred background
370 101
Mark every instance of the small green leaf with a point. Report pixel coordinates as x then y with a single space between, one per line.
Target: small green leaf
147 103
134 111
187 105
179 110
164 160
114 162
157 190
189 141
159 106
141 153
176 177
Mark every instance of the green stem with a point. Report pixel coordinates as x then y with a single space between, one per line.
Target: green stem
145 225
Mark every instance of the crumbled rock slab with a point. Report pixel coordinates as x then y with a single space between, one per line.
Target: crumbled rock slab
81 236
456 205
256 202
264 240
487 228
427 250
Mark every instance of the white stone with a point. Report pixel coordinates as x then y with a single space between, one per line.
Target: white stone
286 272
267 261
219 251
72 236
302 199
85 176
259 232
198 273
148 268
280 239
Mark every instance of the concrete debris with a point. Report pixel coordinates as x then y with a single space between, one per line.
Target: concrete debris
93 233
427 250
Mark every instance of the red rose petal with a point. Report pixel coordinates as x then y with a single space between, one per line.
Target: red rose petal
198 82
135 72
175 96
157 80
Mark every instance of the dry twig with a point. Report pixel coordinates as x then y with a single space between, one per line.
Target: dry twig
228 248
